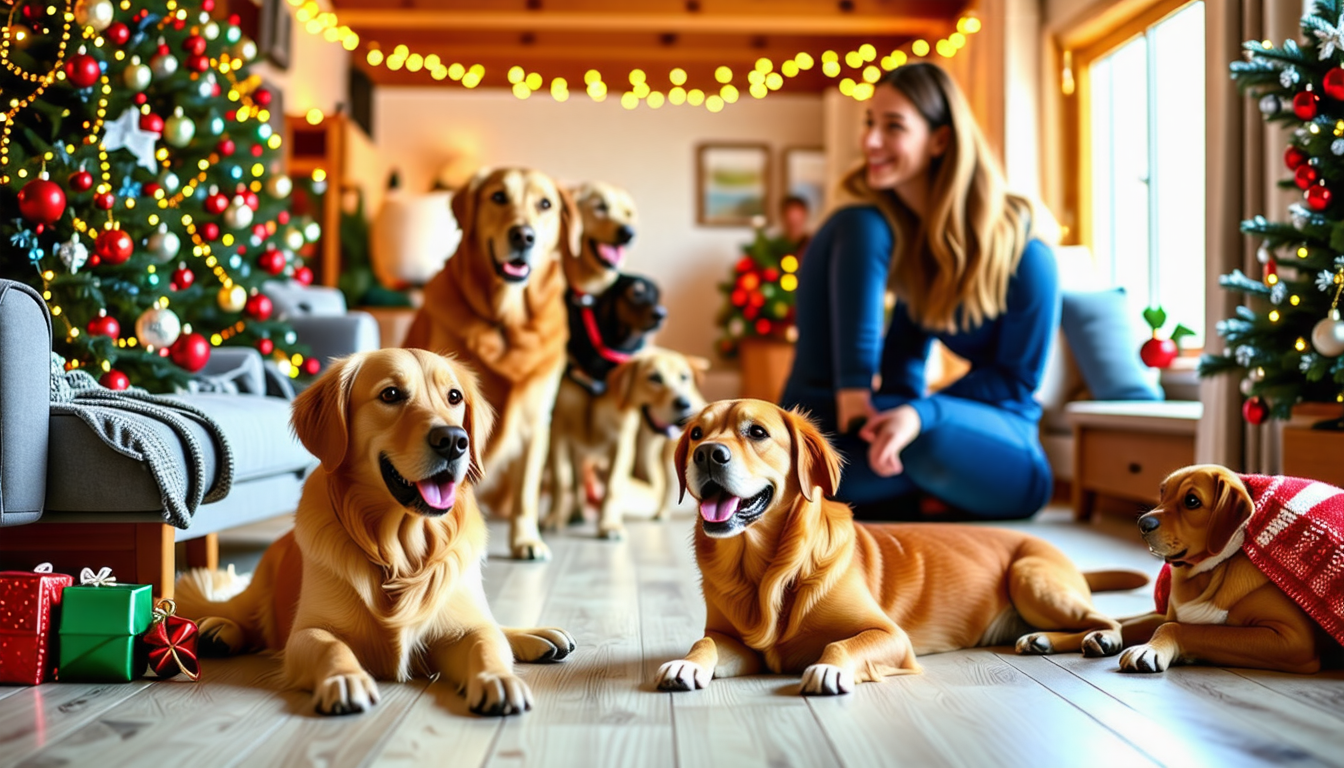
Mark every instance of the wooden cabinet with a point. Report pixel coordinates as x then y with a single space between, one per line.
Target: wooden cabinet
1125 449
766 364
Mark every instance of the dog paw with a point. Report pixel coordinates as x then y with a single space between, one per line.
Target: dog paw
220 637
540 645
611 532
498 695
345 694
1035 644
1101 643
1145 658
826 680
531 550
682 675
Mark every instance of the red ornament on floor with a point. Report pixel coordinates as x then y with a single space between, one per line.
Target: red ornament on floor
1304 105
1304 176
104 326
1293 157
114 246
1333 84
1255 410
114 379
1318 197
172 643
190 352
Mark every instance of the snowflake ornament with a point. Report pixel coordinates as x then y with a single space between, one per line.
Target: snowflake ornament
1332 38
1289 77
1245 355
125 132
1325 280
73 254
1304 365
1278 293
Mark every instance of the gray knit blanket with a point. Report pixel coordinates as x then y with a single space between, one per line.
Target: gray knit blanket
109 414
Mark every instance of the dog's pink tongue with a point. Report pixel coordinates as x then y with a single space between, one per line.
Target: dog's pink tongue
515 269
718 509
438 495
612 254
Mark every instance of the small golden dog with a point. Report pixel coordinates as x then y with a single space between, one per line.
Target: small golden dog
381 576
626 432
498 306
608 216
792 584
1222 609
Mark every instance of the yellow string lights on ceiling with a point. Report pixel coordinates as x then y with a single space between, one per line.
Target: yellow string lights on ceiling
863 62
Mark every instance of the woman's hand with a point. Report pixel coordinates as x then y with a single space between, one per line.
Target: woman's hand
890 432
853 405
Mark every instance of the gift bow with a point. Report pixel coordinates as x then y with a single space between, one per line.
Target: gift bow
43 568
103 578
165 610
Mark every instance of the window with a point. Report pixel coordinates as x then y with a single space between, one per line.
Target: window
1143 153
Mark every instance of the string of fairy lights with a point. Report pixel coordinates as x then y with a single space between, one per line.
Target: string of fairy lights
865 68
240 92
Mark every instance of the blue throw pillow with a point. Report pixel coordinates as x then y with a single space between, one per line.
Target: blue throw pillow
1101 335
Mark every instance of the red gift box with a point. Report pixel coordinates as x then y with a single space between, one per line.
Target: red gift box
29 601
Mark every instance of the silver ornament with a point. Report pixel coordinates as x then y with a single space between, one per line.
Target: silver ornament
1337 147
1328 335
238 215
179 130
1246 386
169 181
163 245
158 327
279 185
312 231
136 76
163 66
245 50
232 299
205 86
1270 105
210 30
73 254
94 13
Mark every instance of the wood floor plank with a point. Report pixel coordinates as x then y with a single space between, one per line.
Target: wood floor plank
9 690
35 717
1211 706
234 705
438 729
1324 690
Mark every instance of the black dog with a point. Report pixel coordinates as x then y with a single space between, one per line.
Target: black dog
606 329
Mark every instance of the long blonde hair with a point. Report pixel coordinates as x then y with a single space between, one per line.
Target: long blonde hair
961 256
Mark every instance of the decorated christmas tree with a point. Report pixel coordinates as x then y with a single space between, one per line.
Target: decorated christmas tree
759 298
1287 344
141 186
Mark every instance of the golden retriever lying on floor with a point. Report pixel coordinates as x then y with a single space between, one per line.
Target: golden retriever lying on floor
381 576
792 584
625 432
1222 608
498 306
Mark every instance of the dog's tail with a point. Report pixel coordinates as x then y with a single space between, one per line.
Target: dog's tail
198 588
1114 581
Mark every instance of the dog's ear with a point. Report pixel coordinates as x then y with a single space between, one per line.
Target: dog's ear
571 225
815 461
463 205
621 381
679 463
320 416
480 418
699 367
1232 506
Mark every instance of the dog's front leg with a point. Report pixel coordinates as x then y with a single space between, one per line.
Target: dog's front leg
524 534
1279 645
714 655
1139 629
480 663
866 657
610 523
319 661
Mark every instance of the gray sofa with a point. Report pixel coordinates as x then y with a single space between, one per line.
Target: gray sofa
68 499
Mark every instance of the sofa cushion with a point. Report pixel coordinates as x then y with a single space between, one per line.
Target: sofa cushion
1104 343
25 359
85 475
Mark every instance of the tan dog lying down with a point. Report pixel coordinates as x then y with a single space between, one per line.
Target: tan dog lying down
792 584
381 576
627 433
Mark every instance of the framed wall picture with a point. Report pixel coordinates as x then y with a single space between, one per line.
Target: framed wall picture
275 31
805 176
732 184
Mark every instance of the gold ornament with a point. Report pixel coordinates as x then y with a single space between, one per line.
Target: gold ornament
94 13
232 299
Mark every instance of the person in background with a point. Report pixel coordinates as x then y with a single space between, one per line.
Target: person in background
926 217
793 216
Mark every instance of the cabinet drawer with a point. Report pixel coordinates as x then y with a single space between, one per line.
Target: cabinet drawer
1128 464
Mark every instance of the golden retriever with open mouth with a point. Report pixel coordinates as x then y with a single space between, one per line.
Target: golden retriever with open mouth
793 584
498 306
609 222
381 576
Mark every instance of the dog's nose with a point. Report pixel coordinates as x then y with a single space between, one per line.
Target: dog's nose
624 234
660 313
1148 524
522 237
715 452
449 442
682 403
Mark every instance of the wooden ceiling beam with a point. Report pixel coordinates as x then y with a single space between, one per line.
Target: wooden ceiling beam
368 22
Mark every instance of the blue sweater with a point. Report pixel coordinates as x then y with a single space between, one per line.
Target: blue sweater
841 286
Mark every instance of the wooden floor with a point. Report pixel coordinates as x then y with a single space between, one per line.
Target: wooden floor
636 604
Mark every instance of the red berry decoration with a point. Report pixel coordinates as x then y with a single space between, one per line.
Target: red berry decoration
191 352
1318 197
210 230
114 246
117 33
1333 84
182 279
226 146
265 346
194 44
1158 353
260 307
272 260
312 366
1304 105
105 201
198 63
262 97
82 70
80 181
104 326
42 201
172 643
1304 176
1255 410
1293 157
152 123
114 379
303 275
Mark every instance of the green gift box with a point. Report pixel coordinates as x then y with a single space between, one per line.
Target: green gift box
100 632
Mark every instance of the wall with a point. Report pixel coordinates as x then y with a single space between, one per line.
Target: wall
649 152
318 74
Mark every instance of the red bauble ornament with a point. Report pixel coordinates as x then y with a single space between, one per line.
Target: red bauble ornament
210 230
282 217
262 97
257 150
1255 410
251 200
162 50
172 644
744 264
104 326
1304 105
265 346
198 63
114 246
225 146
105 201
272 260
1318 197
1293 157
140 99
216 203
114 379
207 5
259 307
150 189
1304 176
770 274
303 275
194 44
1158 353
80 181
183 278
82 70
191 352
42 201
1333 84
152 123
312 366
117 33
